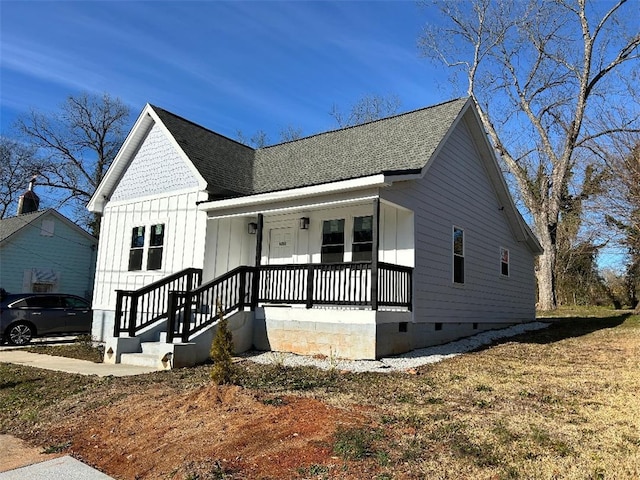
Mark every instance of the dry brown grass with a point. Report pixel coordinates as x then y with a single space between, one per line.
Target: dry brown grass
563 403
560 403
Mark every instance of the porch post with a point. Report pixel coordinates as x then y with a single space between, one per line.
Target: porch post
255 284
374 253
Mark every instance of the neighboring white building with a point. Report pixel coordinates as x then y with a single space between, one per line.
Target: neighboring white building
361 242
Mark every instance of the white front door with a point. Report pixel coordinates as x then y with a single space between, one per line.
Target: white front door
281 242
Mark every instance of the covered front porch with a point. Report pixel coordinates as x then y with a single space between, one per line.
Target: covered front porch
330 274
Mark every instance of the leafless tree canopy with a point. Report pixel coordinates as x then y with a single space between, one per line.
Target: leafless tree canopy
367 109
544 75
17 166
77 143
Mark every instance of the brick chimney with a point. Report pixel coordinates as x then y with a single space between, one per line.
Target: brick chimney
29 201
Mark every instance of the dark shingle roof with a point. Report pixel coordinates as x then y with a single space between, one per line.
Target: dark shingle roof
224 163
402 142
399 143
11 225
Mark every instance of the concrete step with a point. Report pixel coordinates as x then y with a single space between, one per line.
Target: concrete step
143 360
156 348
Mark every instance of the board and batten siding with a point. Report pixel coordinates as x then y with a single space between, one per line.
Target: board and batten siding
456 191
60 247
158 187
228 245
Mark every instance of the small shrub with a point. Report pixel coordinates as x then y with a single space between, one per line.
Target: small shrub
222 351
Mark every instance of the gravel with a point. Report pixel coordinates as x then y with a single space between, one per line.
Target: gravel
404 362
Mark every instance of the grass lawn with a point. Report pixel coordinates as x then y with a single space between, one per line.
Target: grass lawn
560 403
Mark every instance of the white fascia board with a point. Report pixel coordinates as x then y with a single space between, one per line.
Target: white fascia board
373 181
121 161
519 227
132 143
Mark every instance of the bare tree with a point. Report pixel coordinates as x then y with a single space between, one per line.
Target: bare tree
623 160
78 143
367 109
290 133
17 167
540 73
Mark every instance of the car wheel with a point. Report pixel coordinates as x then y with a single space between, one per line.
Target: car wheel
20 334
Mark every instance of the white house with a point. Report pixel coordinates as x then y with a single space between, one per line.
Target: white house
361 242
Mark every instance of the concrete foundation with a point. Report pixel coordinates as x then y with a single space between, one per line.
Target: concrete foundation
341 333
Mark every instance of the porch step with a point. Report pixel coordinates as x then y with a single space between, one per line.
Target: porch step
144 360
158 355
156 348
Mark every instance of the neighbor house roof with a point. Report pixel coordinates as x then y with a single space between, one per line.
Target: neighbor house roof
14 225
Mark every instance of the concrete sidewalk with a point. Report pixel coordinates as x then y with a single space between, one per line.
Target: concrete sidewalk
71 365
63 468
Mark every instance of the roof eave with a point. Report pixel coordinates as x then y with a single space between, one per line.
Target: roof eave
372 181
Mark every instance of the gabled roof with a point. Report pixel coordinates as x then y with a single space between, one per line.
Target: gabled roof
225 164
402 143
399 143
230 169
399 147
11 225
14 225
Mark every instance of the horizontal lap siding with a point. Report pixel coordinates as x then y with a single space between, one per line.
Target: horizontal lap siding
68 252
456 191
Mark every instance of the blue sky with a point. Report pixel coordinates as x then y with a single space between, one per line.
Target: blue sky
227 65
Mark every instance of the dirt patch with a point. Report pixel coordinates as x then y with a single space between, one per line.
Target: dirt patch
17 453
226 429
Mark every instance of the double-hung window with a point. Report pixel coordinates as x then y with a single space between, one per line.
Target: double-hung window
332 250
137 248
153 249
156 243
362 239
458 255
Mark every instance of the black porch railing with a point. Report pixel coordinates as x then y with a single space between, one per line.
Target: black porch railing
137 309
189 309
307 284
192 311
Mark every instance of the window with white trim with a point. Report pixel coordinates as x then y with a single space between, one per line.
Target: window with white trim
150 249
362 239
332 250
156 244
504 261
458 255
137 248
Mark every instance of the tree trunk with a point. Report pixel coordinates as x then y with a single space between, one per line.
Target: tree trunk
545 273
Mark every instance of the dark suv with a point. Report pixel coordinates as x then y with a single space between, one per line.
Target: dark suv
27 315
